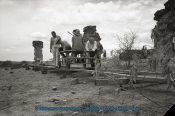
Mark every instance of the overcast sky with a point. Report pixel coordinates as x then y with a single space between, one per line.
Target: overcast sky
22 21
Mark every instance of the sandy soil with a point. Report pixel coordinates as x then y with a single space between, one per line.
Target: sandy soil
21 90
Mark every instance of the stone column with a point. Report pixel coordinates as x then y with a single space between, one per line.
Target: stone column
38 55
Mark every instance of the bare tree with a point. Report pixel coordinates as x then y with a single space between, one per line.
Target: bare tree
126 43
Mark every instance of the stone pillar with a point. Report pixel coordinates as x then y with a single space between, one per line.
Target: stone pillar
38 55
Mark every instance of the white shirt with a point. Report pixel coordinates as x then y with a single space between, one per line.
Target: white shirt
54 41
91 47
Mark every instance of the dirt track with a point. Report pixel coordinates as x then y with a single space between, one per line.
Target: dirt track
21 90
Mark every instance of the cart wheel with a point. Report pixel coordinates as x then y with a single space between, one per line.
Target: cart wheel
44 72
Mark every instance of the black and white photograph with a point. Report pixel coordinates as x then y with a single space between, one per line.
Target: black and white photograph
87 57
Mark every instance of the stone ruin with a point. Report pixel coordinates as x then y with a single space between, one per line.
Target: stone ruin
163 33
38 55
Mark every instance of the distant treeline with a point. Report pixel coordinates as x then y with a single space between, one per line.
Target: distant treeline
13 64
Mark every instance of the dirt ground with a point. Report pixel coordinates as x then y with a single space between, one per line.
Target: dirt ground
21 90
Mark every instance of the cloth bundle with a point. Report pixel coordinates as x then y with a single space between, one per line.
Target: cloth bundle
90 31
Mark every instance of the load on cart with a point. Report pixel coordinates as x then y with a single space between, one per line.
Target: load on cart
86 49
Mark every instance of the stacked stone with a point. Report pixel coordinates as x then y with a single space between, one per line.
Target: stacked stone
90 31
38 55
164 31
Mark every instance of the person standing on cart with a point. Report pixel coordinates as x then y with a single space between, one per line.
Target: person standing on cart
91 46
77 43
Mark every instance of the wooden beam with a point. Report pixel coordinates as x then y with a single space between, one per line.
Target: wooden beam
79 58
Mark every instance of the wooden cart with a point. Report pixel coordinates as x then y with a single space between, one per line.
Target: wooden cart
82 58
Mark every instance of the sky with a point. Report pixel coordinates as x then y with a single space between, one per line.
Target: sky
22 21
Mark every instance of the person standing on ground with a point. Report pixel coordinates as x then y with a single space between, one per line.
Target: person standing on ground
54 46
104 54
167 71
133 71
